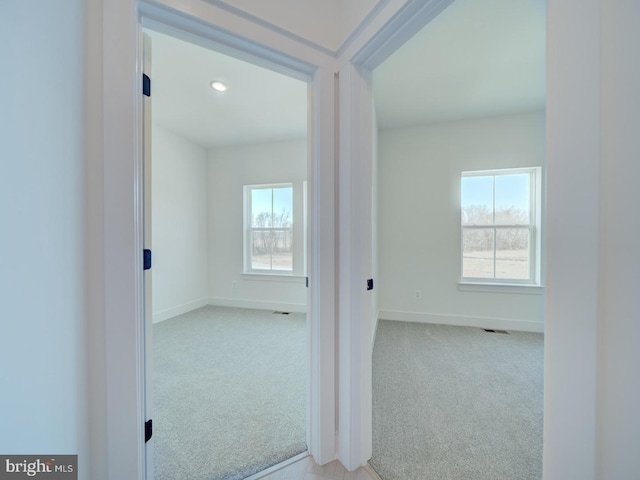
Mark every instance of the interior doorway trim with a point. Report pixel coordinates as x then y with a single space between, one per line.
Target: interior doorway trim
321 347
409 20
357 312
122 229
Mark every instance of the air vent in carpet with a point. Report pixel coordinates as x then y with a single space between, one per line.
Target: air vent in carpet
491 330
281 313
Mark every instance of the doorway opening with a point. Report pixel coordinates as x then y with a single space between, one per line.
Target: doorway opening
228 185
463 99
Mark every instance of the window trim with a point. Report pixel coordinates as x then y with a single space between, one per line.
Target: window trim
534 227
526 288
248 230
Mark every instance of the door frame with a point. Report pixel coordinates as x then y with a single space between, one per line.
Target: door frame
147 244
357 248
319 437
124 362
572 325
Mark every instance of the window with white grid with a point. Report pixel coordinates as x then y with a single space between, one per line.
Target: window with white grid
500 226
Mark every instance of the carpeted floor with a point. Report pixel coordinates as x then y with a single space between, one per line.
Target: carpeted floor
456 403
229 393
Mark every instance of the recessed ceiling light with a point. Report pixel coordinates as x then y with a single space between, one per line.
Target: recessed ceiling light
219 86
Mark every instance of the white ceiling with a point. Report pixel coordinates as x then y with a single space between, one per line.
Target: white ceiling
259 106
477 58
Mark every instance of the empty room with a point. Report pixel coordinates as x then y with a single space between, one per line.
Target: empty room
458 354
229 337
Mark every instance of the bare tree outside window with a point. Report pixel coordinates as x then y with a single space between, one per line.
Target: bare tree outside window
271 230
497 225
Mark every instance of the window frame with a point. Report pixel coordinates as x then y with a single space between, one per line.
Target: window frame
533 227
248 230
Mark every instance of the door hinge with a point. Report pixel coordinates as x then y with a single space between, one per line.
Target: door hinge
307 281
148 430
146 85
147 259
370 284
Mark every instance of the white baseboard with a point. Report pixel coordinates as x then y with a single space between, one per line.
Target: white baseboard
179 310
227 302
257 304
459 320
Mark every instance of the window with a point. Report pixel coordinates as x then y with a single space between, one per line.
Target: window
269 229
500 222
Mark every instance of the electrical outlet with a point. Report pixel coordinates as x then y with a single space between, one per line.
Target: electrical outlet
235 284
418 294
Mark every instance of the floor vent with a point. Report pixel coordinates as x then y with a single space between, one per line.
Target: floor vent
281 313
491 330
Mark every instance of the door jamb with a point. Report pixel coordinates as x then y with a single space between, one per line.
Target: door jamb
122 150
355 440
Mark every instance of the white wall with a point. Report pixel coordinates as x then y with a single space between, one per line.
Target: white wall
419 229
619 382
44 318
231 168
179 224
197 224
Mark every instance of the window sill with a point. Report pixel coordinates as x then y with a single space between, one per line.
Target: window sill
501 288
273 277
